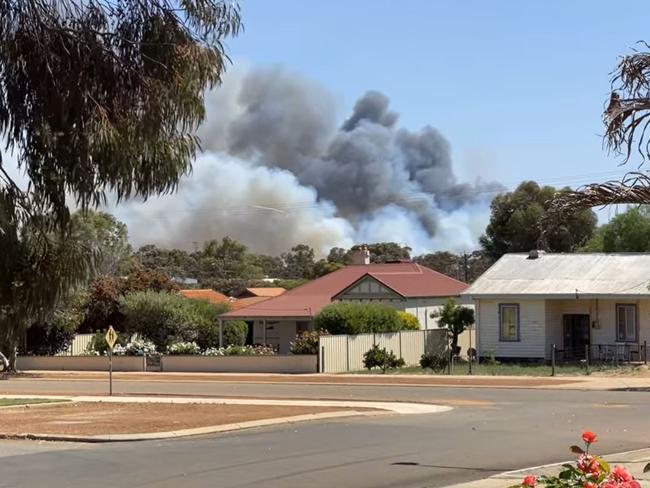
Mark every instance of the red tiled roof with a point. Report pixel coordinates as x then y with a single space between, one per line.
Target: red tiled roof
239 303
408 279
266 292
207 295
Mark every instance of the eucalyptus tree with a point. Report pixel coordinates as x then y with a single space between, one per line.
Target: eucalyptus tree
96 96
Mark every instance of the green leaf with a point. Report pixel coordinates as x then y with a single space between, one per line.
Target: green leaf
604 465
577 450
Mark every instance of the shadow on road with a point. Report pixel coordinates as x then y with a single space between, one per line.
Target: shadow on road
463 468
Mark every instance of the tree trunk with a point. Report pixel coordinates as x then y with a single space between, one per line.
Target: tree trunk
9 346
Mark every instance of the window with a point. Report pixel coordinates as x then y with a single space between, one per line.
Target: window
626 323
508 322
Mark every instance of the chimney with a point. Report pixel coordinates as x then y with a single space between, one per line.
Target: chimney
360 256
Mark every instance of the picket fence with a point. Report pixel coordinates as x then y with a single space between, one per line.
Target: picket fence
344 353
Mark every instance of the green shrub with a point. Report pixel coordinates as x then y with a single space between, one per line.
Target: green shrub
206 319
234 333
409 321
163 318
377 357
437 362
306 343
98 345
358 318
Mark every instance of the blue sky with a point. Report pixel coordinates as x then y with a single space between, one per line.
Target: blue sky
517 87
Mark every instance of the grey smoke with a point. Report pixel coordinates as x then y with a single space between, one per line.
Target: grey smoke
273 139
287 122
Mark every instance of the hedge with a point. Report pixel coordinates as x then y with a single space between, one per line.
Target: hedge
359 318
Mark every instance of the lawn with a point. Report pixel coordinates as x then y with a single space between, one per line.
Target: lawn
515 369
12 402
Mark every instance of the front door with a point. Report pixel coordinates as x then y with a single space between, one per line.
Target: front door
576 336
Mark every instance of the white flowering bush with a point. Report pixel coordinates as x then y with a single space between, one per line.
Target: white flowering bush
183 349
137 347
239 351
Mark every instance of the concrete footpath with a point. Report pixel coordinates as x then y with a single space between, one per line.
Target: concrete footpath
593 382
634 461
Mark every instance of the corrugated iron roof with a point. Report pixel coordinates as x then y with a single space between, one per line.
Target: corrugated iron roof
408 279
566 275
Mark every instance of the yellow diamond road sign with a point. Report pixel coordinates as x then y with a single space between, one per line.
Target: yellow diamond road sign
111 337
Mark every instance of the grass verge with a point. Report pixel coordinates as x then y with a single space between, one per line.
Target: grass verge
514 369
13 402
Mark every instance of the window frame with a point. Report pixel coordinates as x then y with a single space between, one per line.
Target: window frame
518 322
626 340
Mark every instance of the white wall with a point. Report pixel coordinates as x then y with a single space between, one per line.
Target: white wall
532 335
80 363
241 364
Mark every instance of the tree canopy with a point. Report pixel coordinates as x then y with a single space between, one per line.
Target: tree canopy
626 232
516 223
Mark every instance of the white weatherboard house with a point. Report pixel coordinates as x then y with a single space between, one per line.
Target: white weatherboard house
592 303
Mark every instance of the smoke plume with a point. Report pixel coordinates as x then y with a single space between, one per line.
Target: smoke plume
278 170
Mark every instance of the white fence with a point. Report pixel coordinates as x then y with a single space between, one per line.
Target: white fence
80 363
344 353
78 346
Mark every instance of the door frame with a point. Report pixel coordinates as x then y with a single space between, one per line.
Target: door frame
564 330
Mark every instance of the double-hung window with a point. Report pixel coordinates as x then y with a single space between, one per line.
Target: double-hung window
626 323
508 322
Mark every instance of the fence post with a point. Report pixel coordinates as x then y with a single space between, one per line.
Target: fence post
616 355
553 360
374 338
424 342
322 359
347 352
587 356
645 352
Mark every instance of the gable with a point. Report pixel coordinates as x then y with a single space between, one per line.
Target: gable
367 288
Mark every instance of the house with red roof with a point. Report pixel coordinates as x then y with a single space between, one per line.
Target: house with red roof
407 286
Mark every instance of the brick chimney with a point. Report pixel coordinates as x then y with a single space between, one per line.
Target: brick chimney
361 256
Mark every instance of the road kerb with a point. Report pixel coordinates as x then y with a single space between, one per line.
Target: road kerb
376 408
215 429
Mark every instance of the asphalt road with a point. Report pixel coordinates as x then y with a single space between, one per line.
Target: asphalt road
489 431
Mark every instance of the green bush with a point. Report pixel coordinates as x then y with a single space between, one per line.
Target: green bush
206 320
358 318
99 346
163 318
409 321
306 343
234 333
377 357
437 362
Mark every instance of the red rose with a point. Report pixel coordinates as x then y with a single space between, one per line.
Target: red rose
588 465
589 437
619 473
589 484
530 481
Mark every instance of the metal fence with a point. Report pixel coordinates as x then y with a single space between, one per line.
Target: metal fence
344 353
78 346
593 354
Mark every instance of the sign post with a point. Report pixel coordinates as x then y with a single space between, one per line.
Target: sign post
111 338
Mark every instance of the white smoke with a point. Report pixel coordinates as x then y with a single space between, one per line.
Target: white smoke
277 171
